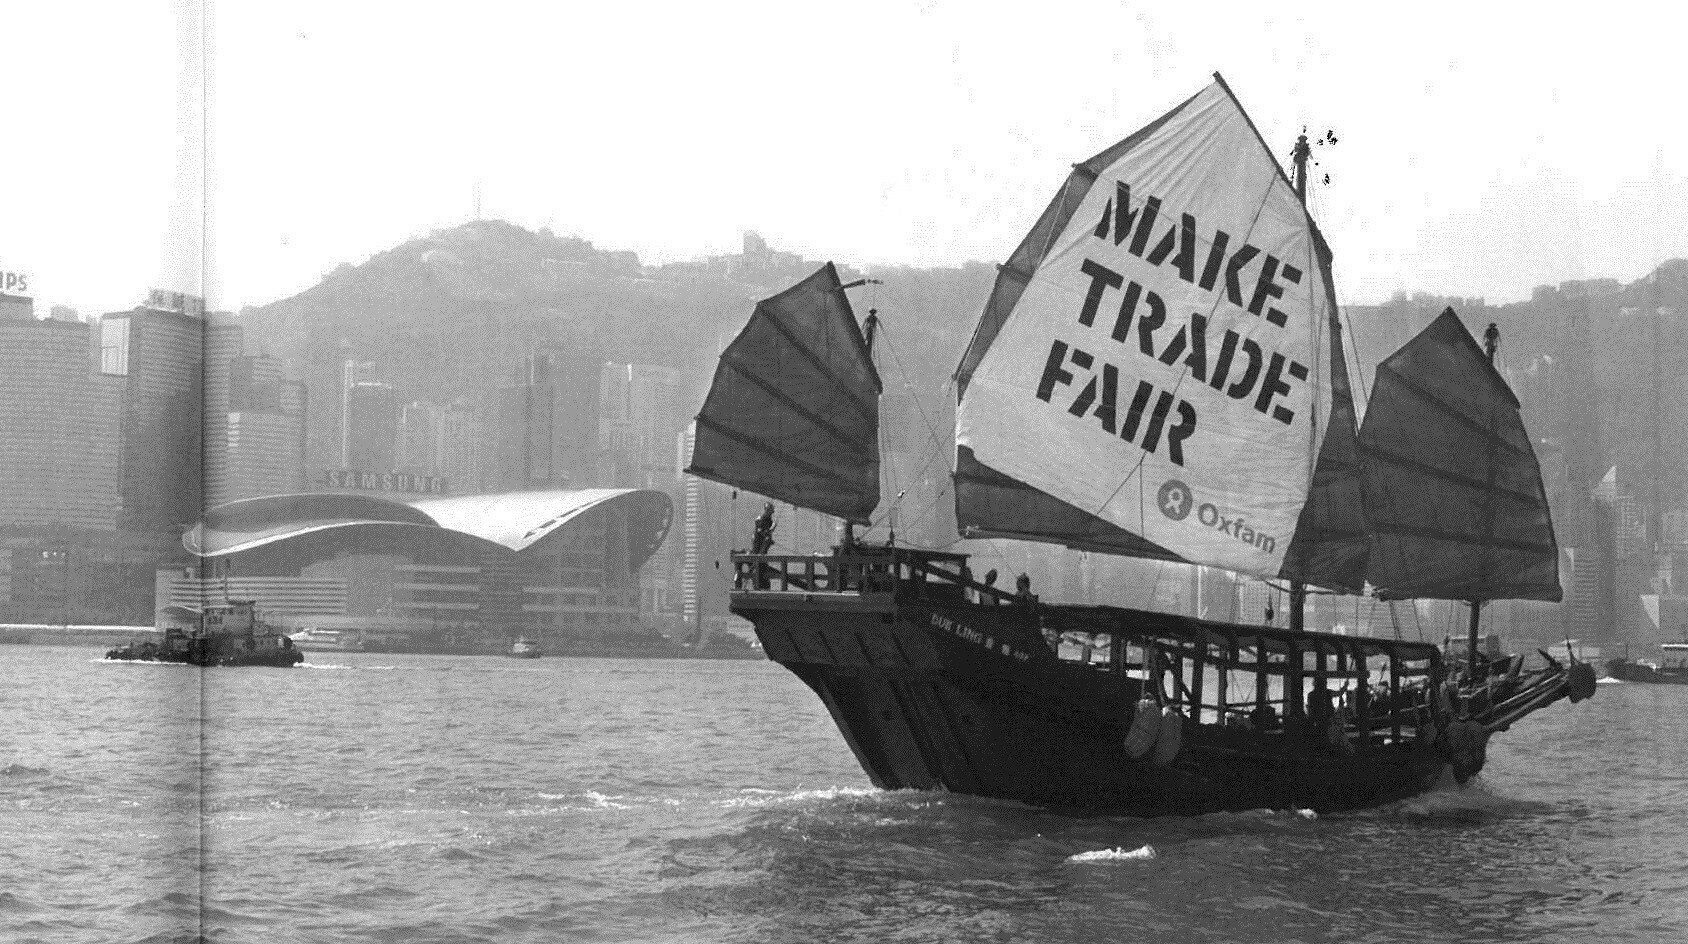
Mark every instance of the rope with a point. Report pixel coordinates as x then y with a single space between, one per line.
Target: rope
936 444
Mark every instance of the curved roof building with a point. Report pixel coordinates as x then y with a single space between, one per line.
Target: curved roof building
519 561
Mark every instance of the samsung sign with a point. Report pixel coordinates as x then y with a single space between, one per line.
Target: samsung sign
385 481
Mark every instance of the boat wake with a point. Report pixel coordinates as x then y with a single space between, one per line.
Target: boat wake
1475 801
1118 854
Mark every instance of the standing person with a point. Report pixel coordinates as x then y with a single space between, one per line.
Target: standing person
763 540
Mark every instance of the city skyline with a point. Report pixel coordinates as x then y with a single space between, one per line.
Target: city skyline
1480 160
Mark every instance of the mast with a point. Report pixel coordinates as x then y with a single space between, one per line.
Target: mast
1655 515
1297 589
870 327
1491 344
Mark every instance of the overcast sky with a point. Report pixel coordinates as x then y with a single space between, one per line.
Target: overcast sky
1479 152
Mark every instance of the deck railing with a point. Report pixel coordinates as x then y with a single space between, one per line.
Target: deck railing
931 574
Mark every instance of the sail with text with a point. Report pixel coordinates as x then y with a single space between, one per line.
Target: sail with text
1158 370
1453 491
793 410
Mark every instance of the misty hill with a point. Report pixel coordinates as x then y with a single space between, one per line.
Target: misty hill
453 313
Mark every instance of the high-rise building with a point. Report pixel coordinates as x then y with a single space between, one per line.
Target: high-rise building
371 421
640 422
419 438
59 426
458 449
254 421
159 350
545 426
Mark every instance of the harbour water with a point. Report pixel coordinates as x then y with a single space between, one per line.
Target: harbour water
419 799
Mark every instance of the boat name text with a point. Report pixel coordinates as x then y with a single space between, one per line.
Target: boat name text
969 634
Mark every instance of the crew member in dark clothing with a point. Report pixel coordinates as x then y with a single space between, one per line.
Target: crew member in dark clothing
763 540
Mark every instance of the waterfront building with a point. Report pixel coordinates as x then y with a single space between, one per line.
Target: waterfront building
59 458
541 563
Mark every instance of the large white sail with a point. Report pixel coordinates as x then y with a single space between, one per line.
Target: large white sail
1164 366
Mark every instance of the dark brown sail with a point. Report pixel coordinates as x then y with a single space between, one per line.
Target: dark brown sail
1453 493
793 412
1331 544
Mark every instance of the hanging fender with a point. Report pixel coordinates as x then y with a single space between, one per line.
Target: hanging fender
1467 749
1337 733
1171 738
1145 729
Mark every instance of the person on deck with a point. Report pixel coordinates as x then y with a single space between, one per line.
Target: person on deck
762 540
1320 708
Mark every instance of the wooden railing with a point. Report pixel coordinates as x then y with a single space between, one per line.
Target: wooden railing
872 570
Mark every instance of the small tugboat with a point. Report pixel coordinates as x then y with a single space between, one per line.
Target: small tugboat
525 648
222 634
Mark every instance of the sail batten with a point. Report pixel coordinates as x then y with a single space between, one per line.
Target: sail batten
767 449
793 410
1453 493
750 376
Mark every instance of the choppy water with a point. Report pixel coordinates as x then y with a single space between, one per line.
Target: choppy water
418 799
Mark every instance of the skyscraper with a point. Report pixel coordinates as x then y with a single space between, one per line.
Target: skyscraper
458 449
419 438
59 423
159 350
370 443
641 422
546 424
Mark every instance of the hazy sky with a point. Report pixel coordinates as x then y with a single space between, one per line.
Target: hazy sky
1479 153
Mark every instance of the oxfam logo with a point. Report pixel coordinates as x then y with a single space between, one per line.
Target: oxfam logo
1175 499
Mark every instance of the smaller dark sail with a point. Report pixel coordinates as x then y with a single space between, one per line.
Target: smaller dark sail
1331 543
793 411
1453 492
989 504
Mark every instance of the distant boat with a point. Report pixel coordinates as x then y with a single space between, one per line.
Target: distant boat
223 634
1672 671
525 648
1159 373
324 639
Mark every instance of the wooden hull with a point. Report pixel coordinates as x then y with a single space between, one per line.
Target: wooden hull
968 698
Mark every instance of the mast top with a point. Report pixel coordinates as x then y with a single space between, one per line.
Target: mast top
1302 151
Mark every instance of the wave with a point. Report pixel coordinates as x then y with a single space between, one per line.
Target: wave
1117 854
1476 799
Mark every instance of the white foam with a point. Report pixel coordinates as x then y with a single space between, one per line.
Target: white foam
1118 854
769 798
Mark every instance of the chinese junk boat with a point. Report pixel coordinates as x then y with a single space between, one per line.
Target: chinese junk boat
223 634
1158 373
